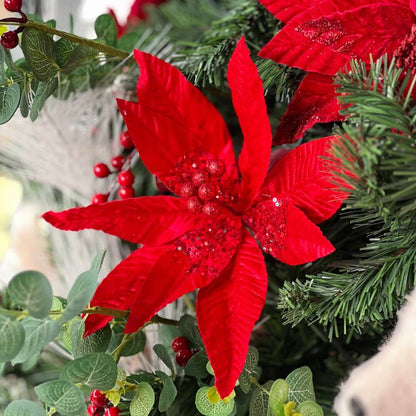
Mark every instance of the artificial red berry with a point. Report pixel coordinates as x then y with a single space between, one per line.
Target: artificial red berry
211 209
194 205
13 5
112 411
183 356
215 167
126 178
9 40
125 140
207 191
94 410
99 198
126 192
198 178
98 398
117 162
180 343
187 189
101 170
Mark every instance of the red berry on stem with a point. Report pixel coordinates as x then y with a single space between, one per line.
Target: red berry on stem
180 343
112 411
126 192
101 170
9 40
13 5
99 198
125 140
117 162
183 356
98 398
126 178
94 410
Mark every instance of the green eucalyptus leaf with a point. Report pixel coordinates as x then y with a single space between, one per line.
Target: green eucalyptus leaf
143 401
24 100
279 394
135 344
301 385
43 91
38 333
189 329
163 354
12 337
98 341
97 371
207 408
30 363
80 295
259 404
33 291
24 408
128 42
310 408
38 49
252 358
79 327
63 50
105 28
168 393
9 101
197 365
97 261
64 396
244 381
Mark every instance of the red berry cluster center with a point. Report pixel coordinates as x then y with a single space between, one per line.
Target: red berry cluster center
201 180
405 54
182 348
100 405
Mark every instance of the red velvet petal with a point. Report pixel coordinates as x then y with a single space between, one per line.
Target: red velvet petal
285 10
199 257
227 310
314 102
149 220
119 289
173 118
413 5
305 177
248 100
323 40
304 241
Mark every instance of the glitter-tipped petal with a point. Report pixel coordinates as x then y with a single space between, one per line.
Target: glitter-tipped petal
147 220
324 39
314 102
227 310
248 100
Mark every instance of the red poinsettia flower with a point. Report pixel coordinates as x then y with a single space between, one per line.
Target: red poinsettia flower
322 37
206 238
137 13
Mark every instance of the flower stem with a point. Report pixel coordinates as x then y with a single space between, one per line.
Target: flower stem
107 50
254 381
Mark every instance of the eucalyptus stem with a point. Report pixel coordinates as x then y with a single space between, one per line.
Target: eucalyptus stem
117 352
117 313
107 50
254 381
15 314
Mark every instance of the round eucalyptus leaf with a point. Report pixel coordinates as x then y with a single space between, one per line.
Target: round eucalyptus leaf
96 342
279 394
24 408
9 101
310 408
143 401
63 395
33 291
97 370
301 385
12 336
205 407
